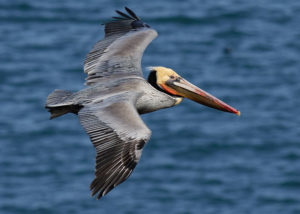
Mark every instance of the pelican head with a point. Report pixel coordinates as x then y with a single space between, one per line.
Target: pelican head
168 81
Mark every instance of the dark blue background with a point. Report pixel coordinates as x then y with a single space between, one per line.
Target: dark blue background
198 160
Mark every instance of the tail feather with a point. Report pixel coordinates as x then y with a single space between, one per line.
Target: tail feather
58 104
57 97
58 111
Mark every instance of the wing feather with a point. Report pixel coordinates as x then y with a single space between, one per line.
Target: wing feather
120 52
123 14
119 135
132 13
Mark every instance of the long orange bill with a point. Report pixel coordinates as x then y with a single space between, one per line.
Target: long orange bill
185 89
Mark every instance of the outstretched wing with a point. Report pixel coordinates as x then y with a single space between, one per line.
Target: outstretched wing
120 52
119 135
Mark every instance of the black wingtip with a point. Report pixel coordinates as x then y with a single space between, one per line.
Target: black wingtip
132 13
120 18
99 196
123 14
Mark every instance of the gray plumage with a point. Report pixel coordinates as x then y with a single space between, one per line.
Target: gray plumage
120 52
109 107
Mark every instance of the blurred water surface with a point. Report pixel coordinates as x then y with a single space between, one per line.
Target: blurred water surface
198 160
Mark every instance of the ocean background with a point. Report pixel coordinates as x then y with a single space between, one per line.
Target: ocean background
198 160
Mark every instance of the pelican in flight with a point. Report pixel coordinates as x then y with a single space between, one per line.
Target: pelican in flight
109 107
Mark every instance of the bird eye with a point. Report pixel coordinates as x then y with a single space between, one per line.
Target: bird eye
172 77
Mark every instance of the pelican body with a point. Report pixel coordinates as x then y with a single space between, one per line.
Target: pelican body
109 107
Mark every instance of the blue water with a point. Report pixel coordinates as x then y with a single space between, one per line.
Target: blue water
198 160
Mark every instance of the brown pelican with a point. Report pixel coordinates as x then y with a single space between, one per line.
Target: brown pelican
109 108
